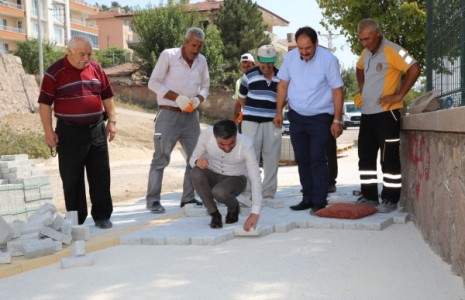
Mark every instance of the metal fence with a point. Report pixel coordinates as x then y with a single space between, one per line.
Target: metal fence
445 46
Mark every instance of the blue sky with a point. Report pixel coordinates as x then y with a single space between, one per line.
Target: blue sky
299 13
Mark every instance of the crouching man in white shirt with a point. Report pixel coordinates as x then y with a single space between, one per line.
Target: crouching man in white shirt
222 161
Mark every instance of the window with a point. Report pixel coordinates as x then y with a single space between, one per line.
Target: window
93 38
3 48
59 39
3 24
58 13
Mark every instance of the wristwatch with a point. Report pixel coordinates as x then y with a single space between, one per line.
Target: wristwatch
337 121
111 121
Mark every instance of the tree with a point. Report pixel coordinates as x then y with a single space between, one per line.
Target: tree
161 28
402 22
349 78
28 51
242 30
213 50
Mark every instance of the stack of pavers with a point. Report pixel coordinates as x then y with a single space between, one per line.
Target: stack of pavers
30 225
23 187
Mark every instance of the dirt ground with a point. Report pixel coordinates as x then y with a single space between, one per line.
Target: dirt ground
130 156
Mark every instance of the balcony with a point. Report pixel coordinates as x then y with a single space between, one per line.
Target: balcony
82 6
84 26
12 33
11 9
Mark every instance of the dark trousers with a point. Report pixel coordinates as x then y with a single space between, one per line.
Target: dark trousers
210 186
380 131
309 136
85 148
331 157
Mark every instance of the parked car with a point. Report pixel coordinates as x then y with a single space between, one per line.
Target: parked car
285 128
351 115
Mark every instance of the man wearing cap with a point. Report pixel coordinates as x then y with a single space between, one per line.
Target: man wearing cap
310 80
246 63
257 94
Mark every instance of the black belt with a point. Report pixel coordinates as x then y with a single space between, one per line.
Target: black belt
81 125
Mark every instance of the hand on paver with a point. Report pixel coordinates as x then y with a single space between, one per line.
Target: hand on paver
251 222
195 102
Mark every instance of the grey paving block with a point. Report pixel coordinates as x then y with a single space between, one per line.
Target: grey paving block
58 221
285 227
43 219
400 217
6 232
375 222
16 225
317 222
12 157
214 239
81 232
73 216
33 249
178 240
146 240
58 246
15 247
191 211
78 248
51 233
274 203
67 227
259 231
5 257
77 261
31 195
131 239
67 239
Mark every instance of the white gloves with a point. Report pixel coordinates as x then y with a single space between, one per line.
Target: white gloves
195 102
186 104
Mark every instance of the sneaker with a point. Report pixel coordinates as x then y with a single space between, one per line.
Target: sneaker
387 207
363 200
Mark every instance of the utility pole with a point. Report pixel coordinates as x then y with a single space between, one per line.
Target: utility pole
41 54
330 36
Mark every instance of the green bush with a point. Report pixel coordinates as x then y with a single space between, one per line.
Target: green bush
27 142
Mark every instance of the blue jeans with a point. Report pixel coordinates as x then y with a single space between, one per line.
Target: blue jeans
309 136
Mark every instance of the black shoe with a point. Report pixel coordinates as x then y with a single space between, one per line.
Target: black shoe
216 220
331 188
103 224
233 217
314 209
301 206
157 208
193 201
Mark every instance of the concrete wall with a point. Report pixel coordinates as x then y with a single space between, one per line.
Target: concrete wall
219 104
433 173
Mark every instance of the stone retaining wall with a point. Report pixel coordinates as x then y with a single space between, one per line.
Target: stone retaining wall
18 90
433 185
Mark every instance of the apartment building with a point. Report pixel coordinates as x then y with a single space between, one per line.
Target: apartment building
59 21
115 30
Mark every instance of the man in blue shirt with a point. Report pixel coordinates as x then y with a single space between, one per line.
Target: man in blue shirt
311 82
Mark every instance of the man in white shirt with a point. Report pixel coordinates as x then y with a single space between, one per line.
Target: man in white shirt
181 81
222 161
